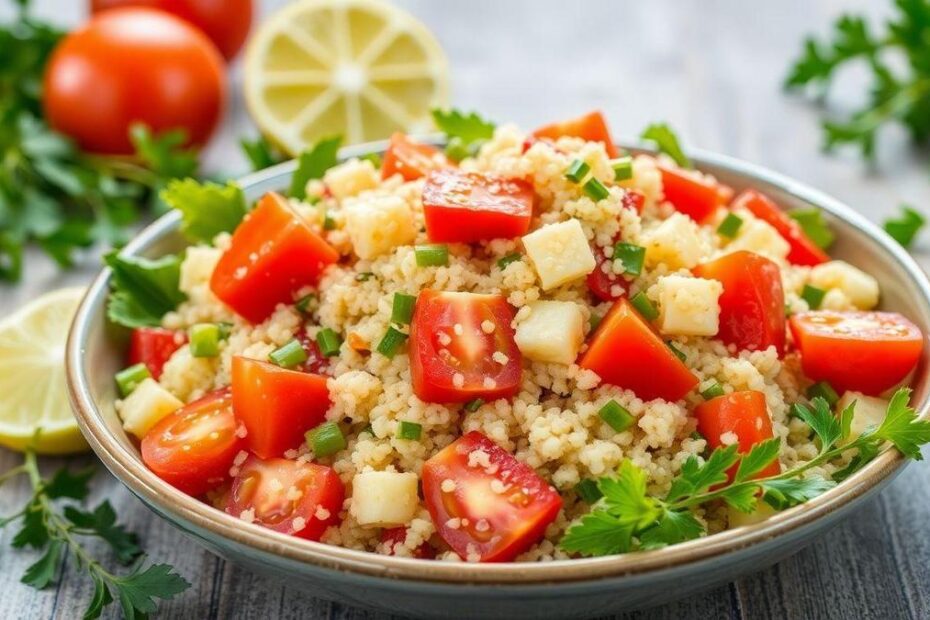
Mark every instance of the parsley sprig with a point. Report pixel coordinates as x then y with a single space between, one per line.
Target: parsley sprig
57 533
627 518
466 132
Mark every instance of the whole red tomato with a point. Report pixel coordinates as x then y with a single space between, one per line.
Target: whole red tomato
226 22
133 65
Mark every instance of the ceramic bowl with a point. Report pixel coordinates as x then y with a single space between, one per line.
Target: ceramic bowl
557 589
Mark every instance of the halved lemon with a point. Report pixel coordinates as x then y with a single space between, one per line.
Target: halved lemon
33 393
361 69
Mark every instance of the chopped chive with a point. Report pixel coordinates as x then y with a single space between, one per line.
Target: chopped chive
205 340
368 429
509 258
623 168
644 306
595 190
402 308
474 405
128 379
431 255
364 276
374 158
303 304
616 416
289 354
631 256
678 352
813 296
328 222
225 329
409 430
711 389
456 149
595 320
329 342
825 391
811 222
392 341
730 225
588 492
577 171
326 439
697 436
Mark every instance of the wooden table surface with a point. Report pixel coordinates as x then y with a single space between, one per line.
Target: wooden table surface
711 68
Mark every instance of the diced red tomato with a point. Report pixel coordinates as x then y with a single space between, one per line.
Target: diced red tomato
193 448
153 346
451 354
605 285
301 499
691 193
410 159
634 199
273 253
316 363
463 207
868 352
745 415
803 251
591 127
752 305
397 535
276 405
625 352
499 505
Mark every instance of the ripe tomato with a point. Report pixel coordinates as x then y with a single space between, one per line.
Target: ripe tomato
745 415
451 354
410 159
868 352
276 405
803 251
273 253
625 352
591 127
226 22
301 499
394 536
316 362
193 448
691 193
153 346
133 65
463 207
752 305
498 507
603 282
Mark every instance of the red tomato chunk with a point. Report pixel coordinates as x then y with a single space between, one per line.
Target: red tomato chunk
153 346
591 127
463 207
803 251
273 253
394 536
486 505
410 159
743 414
691 192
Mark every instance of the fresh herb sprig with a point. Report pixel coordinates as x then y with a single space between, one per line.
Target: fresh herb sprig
58 532
666 141
466 132
627 518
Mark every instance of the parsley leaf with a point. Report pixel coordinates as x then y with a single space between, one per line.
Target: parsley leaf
743 497
667 142
43 572
143 290
598 533
207 209
820 418
904 228
902 428
138 590
261 153
784 493
761 456
33 531
65 483
625 497
811 222
673 527
102 523
466 131
313 163
696 478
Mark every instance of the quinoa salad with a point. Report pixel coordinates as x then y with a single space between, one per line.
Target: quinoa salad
451 354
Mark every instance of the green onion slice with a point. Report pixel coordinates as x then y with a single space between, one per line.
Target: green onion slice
595 189
326 439
409 430
289 354
631 256
474 405
391 342
402 308
329 342
623 168
205 340
730 225
128 379
711 389
813 296
645 306
577 171
616 416
431 255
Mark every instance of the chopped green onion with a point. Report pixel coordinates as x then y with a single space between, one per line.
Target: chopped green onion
811 222
474 405
457 149
730 225
813 296
328 222
326 439
409 430
623 168
374 158
392 341
368 429
225 328
289 355
506 260
595 189
205 340
904 228
616 416
329 342
711 389
678 352
402 308
588 492
364 276
631 256
595 320
431 255
128 379
697 436
825 391
577 171
303 304
644 306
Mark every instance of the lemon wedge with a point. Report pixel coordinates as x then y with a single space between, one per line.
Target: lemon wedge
33 393
361 69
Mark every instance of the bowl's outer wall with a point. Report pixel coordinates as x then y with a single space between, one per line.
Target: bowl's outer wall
96 352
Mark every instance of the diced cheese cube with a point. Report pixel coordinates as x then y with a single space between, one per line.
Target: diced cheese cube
146 406
560 253
757 236
552 332
676 242
384 498
351 178
378 224
858 286
688 306
737 518
869 411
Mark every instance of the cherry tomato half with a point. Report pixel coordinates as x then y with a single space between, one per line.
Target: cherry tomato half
410 159
153 346
394 536
591 127
803 251
744 414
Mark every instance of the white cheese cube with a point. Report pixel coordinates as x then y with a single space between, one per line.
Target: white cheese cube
553 332
688 306
378 224
677 242
736 518
560 253
869 411
759 237
351 178
858 286
146 406
384 498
